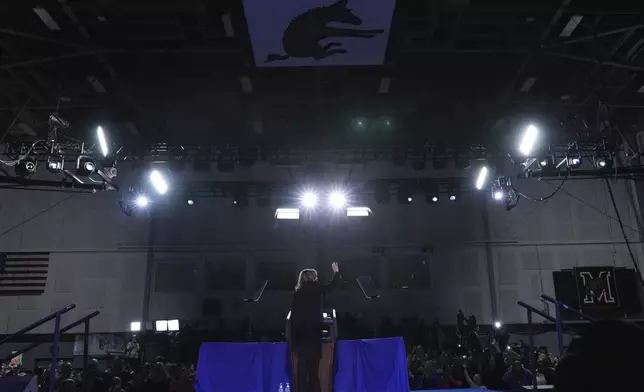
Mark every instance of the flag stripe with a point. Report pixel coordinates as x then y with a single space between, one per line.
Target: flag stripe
14 266
21 292
11 277
23 284
23 259
23 273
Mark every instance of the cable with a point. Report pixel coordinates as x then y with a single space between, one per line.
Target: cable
15 118
542 199
587 204
12 228
621 225
21 157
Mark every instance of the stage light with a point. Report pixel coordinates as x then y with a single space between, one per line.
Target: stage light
55 164
142 201
26 167
158 182
438 163
135 326
528 140
85 165
452 197
263 196
309 199
498 194
337 199
358 211
481 178
574 161
603 161
544 162
102 141
434 199
161 326
404 196
382 192
497 325
287 213
173 325
191 202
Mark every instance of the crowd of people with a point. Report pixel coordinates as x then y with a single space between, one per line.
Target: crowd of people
439 357
120 376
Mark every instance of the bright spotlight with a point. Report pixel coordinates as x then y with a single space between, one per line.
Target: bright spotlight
287 213
142 201
481 178
161 325
497 324
173 325
434 199
135 326
574 161
452 197
358 211
337 199
102 141
309 199
158 182
191 202
497 193
527 142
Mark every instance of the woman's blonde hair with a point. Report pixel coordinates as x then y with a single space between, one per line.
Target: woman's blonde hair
306 275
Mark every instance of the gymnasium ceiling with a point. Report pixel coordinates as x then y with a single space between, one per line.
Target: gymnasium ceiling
455 71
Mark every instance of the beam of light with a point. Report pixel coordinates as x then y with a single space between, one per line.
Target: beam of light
527 142
309 199
481 178
142 201
358 211
158 182
337 199
102 141
497 324
287 213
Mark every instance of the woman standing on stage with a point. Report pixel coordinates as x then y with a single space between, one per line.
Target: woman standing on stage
306 323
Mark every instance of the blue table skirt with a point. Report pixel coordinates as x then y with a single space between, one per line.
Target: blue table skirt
375 365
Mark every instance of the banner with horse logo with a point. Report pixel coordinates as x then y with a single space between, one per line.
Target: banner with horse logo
287 33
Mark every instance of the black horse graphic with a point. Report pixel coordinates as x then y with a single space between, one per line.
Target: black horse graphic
303 35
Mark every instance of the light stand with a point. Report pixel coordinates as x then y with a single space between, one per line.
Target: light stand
251 299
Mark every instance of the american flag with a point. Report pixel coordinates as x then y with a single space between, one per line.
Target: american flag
23 273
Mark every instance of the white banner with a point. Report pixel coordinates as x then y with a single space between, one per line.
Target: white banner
101 345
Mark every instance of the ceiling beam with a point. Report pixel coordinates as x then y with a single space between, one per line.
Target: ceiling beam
39 38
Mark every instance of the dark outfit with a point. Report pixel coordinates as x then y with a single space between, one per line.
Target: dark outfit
306 323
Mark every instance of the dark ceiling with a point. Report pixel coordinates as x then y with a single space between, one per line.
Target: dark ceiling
171 71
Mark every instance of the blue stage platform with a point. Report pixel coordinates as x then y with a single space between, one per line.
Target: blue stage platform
375 365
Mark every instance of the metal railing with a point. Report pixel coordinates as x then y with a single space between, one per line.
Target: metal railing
85 320
54 351
558 324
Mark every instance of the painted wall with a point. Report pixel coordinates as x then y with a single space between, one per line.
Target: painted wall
90 263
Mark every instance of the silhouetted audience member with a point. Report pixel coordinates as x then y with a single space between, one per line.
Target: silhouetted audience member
606 358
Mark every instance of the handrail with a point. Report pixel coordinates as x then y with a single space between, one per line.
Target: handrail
563 305
543 314
45 340
38 323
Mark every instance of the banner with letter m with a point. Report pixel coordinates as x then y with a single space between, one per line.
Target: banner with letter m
596 287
